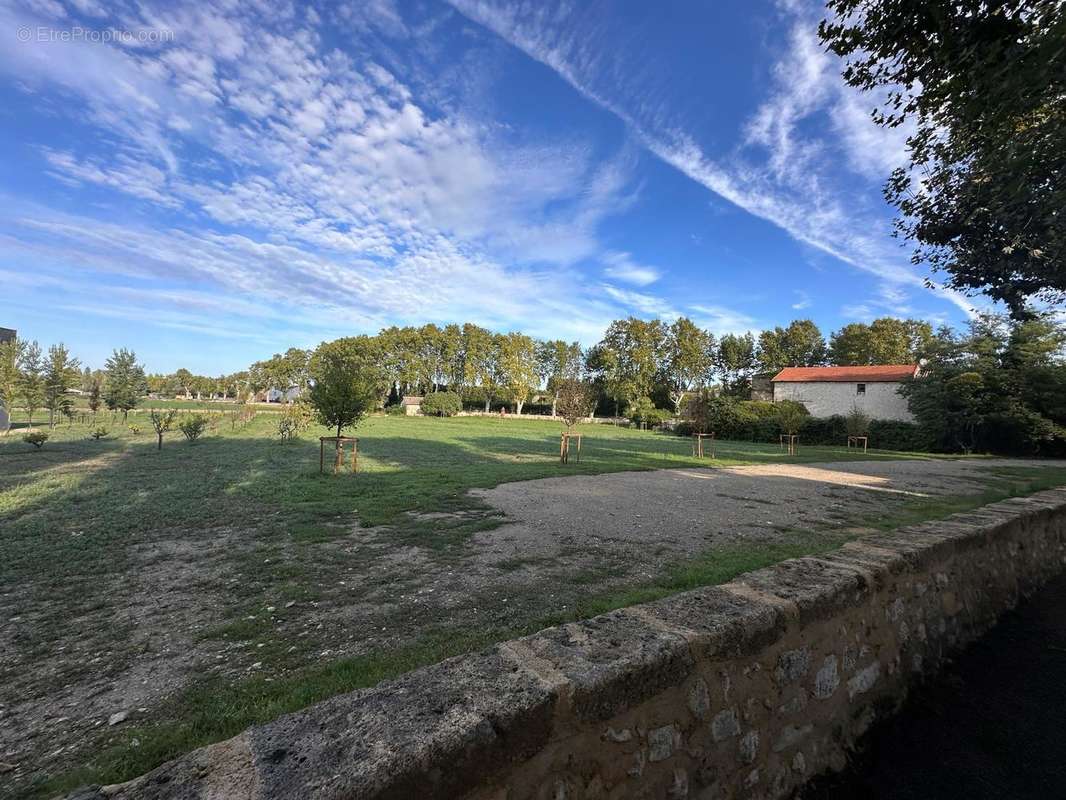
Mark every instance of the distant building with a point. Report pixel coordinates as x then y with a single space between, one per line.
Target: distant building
411 405
7 335
826 391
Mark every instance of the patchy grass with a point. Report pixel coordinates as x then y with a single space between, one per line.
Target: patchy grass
76 517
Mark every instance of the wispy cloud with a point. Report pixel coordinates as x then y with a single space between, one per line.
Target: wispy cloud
773 173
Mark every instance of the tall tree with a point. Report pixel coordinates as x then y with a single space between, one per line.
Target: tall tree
10 358
983 83
799 345
736 363
630 357
517 362
557 361
688 359
479 360
884 341
126 383
31 379
61 374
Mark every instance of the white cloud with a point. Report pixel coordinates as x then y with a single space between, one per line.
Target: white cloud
622 267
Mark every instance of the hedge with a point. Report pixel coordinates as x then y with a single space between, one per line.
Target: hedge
756 421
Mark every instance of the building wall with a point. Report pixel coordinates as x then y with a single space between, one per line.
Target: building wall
824 399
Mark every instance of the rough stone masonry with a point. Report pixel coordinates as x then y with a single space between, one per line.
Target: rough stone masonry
737 691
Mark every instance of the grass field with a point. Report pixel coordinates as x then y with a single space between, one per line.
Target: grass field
240 549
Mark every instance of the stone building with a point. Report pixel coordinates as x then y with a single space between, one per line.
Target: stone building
826 391
7 335
412 405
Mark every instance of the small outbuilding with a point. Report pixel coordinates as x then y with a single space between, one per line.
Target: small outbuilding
411 404
826 391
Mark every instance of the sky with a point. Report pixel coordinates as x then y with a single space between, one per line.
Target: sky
213 182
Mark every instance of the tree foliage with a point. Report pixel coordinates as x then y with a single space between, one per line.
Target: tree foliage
884 341
801 344
576 400
688 359
346 381
30 382
61 374
442 404
982 84
126 384
1000 387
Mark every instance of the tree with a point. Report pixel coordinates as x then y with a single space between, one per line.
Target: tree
736 363
11 354
184 379
347 381
162 421
688 359
799 345
479 360
558 361
126 383
61 373
30 388
517 362
629 358
1000 387
982 83
884 341
575 401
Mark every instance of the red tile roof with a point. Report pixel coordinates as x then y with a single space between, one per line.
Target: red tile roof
886 373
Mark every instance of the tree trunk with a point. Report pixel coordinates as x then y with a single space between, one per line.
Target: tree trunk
160 445
487 402
555 403
518 407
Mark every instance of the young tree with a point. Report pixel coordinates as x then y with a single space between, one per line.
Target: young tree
517 362
162 421
688 359
575 401
347 381
30 389
126 383
982 83
61 374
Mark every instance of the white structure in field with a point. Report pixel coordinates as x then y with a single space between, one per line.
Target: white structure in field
826 391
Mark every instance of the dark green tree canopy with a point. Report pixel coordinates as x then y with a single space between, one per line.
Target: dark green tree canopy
983 82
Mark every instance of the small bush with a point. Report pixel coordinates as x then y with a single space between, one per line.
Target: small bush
396 410
36 438
134 429
96 434
641 410
296 418
193 426
441 404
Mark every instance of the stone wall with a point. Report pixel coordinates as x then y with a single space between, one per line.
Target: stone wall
737 691
826 398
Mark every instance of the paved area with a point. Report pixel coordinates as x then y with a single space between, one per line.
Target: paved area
989 727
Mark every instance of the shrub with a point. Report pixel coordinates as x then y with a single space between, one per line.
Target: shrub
640 410
441 404
134 429
294 420
396 410
98 433
36 438
193 426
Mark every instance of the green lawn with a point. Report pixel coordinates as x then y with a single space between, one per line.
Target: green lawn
75 515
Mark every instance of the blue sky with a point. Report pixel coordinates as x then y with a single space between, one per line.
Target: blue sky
214 182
